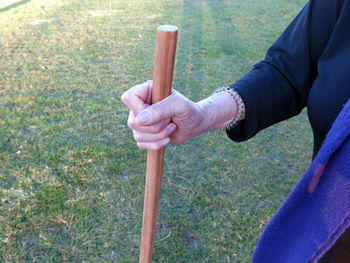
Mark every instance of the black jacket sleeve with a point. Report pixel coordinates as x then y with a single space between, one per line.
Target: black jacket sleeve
277 87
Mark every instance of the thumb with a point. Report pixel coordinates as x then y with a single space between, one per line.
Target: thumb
161 110
138 97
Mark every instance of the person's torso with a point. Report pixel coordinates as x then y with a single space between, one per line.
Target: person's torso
331 87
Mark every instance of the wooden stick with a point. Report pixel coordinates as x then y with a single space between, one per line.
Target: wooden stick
162 80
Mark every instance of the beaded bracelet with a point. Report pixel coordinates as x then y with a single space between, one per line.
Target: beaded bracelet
240 106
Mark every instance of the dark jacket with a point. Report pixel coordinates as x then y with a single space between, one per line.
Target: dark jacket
308 65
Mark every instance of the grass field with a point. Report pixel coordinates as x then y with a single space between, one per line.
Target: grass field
71 176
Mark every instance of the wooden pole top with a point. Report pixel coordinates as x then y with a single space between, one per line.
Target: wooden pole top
168 28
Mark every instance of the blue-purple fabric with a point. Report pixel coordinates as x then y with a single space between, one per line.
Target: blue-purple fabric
317 211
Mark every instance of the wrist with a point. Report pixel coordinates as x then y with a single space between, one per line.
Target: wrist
209 113
237 100
220 109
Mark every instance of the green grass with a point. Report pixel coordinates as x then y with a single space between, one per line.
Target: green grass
71 176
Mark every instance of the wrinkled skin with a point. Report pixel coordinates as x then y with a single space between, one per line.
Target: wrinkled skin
172 120
175 119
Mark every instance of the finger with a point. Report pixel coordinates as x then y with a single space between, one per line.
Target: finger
153 145
156 128
149 137
164 109
138 97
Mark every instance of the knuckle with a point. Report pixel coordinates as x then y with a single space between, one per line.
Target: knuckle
171 99
138 137
140 146
145 146
131 124
157 129
181 102
177 102
164 133
125 97
156 111
156 146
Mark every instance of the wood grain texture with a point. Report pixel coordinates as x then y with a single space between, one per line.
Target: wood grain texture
162 81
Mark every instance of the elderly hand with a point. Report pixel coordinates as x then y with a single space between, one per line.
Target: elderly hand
175 119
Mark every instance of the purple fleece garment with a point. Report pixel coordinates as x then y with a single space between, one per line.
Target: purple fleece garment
317 211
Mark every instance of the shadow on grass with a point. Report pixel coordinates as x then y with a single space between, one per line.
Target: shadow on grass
226 30
14 5
190 63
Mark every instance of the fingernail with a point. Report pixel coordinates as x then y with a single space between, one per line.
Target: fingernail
143 117
172 128
166 141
